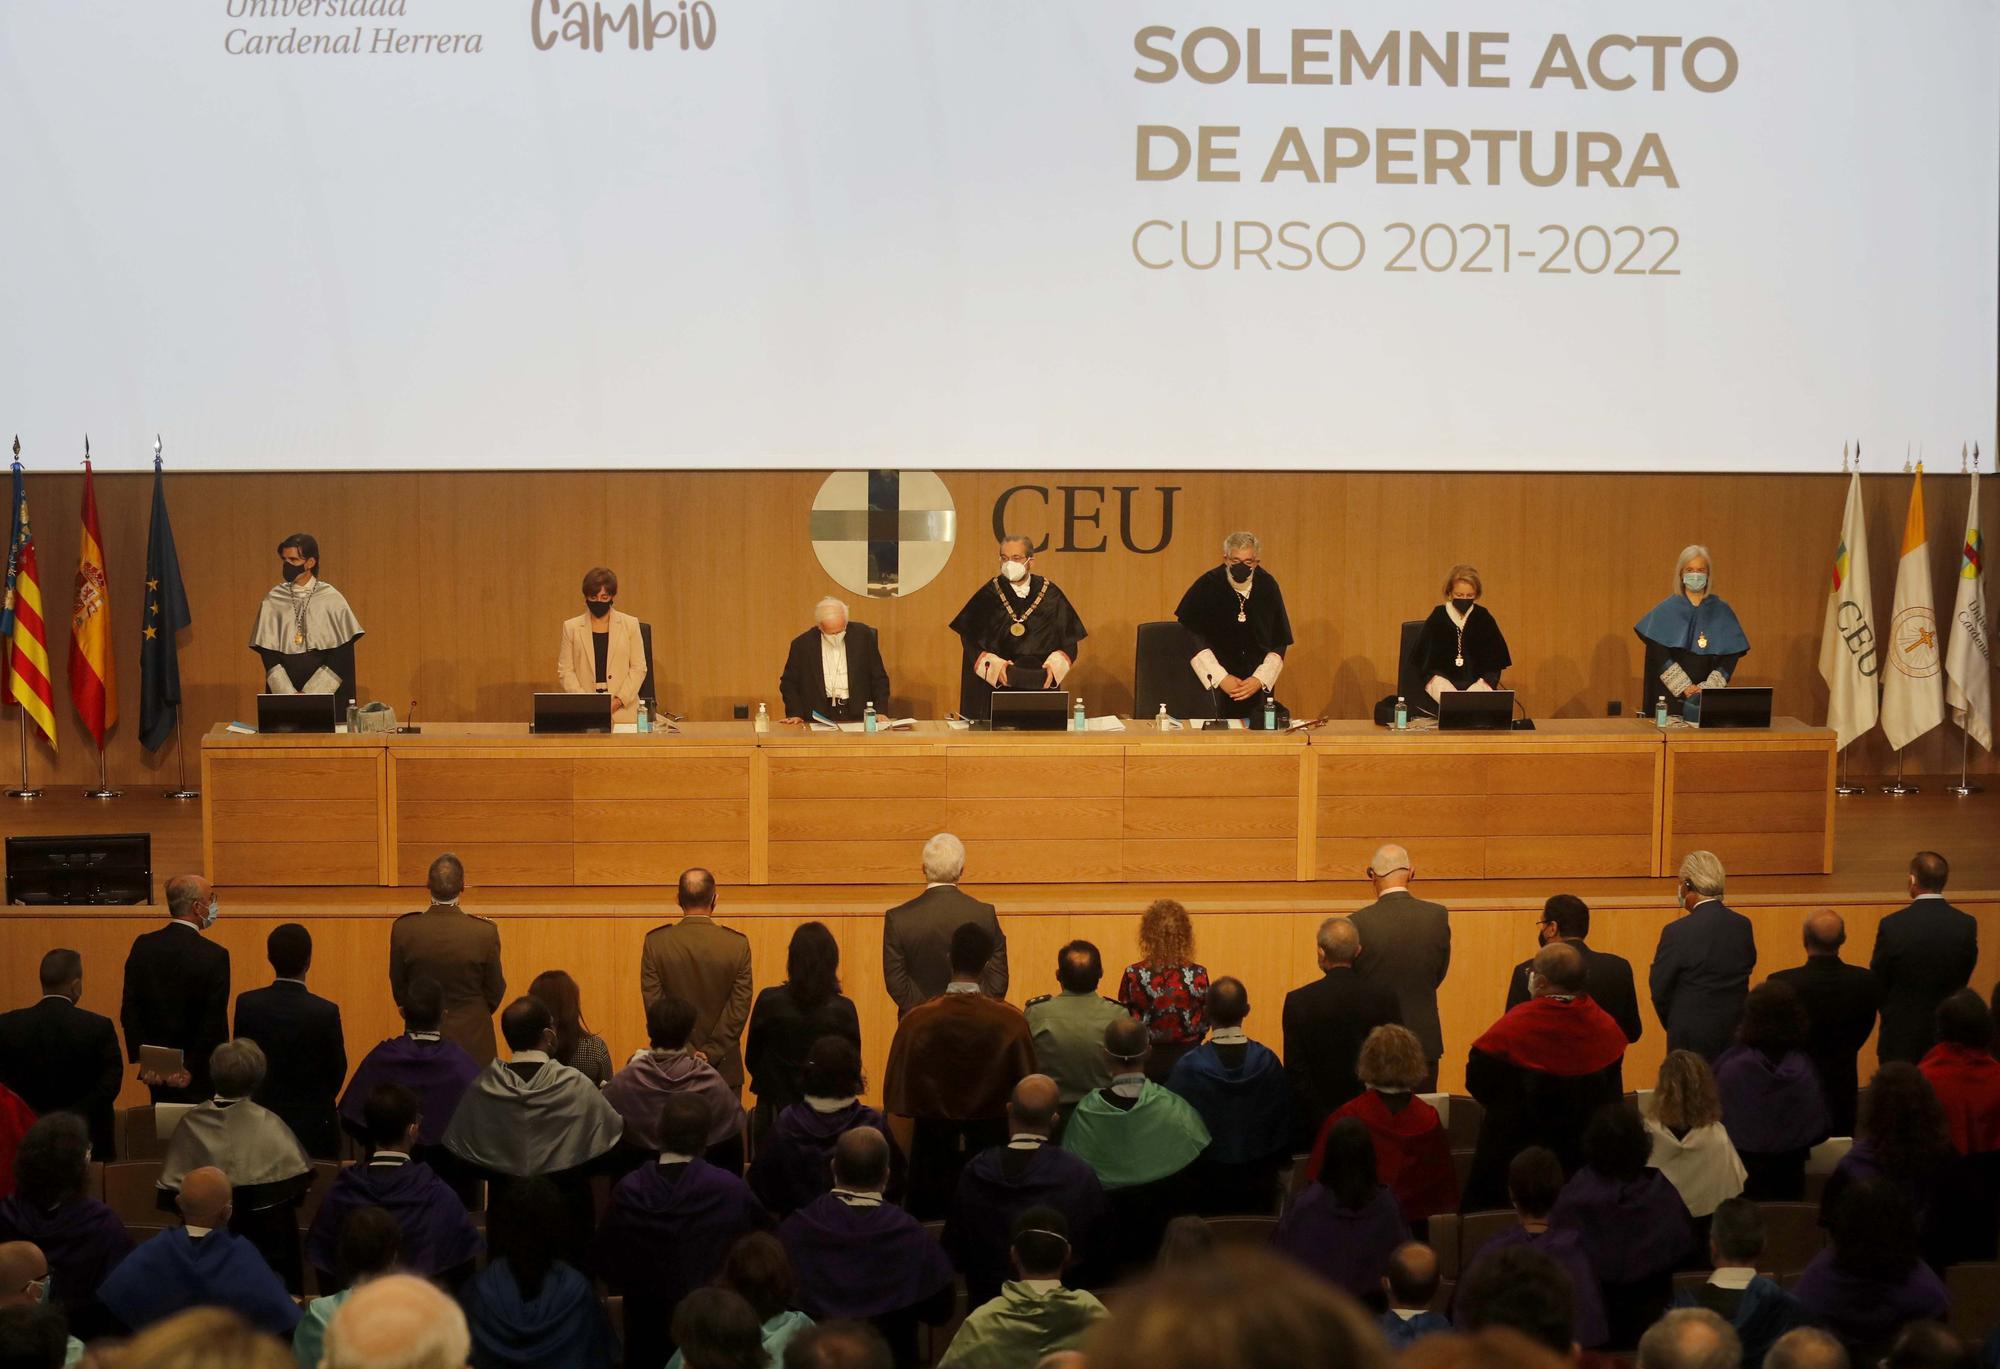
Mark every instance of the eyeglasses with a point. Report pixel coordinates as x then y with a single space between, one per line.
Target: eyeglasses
1241 561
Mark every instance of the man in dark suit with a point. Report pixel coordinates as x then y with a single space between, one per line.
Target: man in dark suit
1840 1001
300 1035
1701 969
1406 948
177 991
916 936
60 1058
834 669
460 951
1325 1023
708 964
1923 955
1607 978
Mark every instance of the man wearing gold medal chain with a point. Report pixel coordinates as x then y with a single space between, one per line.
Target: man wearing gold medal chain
305 631
1019 632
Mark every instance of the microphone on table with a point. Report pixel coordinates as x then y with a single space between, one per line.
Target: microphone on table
411 725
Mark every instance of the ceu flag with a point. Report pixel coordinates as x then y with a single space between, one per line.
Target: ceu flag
1850 660
883 533
92 687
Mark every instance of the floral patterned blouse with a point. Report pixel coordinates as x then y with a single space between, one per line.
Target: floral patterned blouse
1172 1000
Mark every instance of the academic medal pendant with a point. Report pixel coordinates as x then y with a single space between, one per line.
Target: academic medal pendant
1242 617
1017 630
1458 661
298 639
1702 641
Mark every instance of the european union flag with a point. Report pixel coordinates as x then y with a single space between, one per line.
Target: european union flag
166 614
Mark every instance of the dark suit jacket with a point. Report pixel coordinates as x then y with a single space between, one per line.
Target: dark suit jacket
177 994
1841 1001
60 1058
1406 946
1701 975
300 1035
1325 1023
1607 978
803 683
462 953
916 945
1923 955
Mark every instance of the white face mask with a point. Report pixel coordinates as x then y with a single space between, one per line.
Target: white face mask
1014 570
211 913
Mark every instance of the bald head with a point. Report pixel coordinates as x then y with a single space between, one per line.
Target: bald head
205 1197
1825 933
1126 1042
21 1263
397 1322
1558 969
1412 1275
1338 941
1806 1348
1389 867
861 1160
1690 1338
1033 1105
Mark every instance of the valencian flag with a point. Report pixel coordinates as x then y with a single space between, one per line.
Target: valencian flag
24 638
92 687
166 614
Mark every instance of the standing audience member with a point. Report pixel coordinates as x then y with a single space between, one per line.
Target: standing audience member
788 1018
1701 969
1165 989
397 1322
202 1338
1807 1348
1325 1023
528 1309
838 1344
1759 1309
794 1164
304 1050
1520 1290
1346 1224
1412 1149
1684 1123
1634 1226
1186 1246
1930 1345
576 1044
62 1058
717 1329
82 1239
1068 1027
1902 1138
1034 1315
1411 1285
1690 1338
1964 1075
708 964
421 1060
1923 954
1772 1103
1240 1090
370 1245
757 1270
1841 1001
1872 1282
198 1265
1405 948
1607 978
917 936
16 1119
177 991
1534 1183
24 1288
461 952
669 1068
438 1239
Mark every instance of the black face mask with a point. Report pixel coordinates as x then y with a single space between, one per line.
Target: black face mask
291 572
1463 605
598 607
1239 571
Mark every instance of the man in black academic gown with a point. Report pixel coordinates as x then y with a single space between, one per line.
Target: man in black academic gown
1019 632
834 668
1237 613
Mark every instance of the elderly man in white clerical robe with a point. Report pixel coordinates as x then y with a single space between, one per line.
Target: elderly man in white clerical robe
305 632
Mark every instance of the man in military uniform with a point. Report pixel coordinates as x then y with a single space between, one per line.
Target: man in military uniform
1069 1026
708 964
460 951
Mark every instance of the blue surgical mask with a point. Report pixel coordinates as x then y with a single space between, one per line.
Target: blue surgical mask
211 913
1695 580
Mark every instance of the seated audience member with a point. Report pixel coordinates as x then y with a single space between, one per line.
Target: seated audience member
1068 1027
200 1338
1240 1090
269 1171
717 1329
1186 1246
1772 1101
1412 1148
1411 1285
421 1060
1759 1309
1634 1226
1034 1315
438 1239
1324 1024
528 1309
63 1058
397 1321
27 1317
842 1344
669 1226
1495 1348
953 1061
371 1243
198 1265
577 1046
1534 1183
1683 1120
859 1257
1872 1282
1964 1075
757 1270
1345 1224
1539 1073
1000 1183
305 1053
1806 1348
1840 1002
669 1069
15 1119
1520 1289
1930 1345
1903 1139
1690 1338
82 1239
788 1019
1250 1310
794 1163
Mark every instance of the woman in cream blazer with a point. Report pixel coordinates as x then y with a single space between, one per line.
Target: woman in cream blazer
625 658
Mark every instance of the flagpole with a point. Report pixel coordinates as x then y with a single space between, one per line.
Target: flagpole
104 789
27 790
1964 789
1843 788
182 794
1899 787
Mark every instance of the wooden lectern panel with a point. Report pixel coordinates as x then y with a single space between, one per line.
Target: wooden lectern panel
251 816
1761 799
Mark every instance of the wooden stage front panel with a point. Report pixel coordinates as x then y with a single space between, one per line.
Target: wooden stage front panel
1762 800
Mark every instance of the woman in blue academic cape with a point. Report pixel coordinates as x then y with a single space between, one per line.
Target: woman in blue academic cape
1692 637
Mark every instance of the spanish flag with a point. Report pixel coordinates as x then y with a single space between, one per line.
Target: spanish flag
92 686
24 642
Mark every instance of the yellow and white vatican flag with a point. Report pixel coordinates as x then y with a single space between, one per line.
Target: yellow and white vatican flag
1968 661
1850 654
1913 683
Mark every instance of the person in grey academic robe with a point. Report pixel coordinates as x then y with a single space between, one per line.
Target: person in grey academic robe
305 632
916 936
1406 948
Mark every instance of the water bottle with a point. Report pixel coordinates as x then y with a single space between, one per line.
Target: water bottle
1079 721
1660 711
645 717
1161 720
1270 712
353 715
763 722
868 717
1402 714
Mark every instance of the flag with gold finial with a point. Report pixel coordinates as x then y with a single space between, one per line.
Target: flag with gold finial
1912 687
24 644
92 685
1968 664
1850 652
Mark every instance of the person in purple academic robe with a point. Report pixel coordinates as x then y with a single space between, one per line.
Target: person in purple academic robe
1633 1223
1347 1224
860 1257
1871 1283
670 1070
82 1239
529 1308
1903 1137
198 1265
669 1228
794 1163
438 1071
1000 1183
1534 1183
439 1239
1772 1104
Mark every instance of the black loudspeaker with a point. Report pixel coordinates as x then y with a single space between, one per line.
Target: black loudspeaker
93 869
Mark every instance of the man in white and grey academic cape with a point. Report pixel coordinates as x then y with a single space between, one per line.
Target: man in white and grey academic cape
305 631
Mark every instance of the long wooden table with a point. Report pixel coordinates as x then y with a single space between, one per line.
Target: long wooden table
1573 798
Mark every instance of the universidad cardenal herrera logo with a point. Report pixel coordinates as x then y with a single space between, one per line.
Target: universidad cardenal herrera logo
594 26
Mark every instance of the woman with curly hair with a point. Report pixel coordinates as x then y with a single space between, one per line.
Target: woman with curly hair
1165 989
1772 1102
1690 1147
1903 1139
1412 1148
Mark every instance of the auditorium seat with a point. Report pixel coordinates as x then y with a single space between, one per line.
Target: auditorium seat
1444 1235
93 1180
1975 1299
1462 1117
1477 1228
137 1141
1161 674
614 1315
1243 1230
132 1190
1792 1236
324 1173
1820 1164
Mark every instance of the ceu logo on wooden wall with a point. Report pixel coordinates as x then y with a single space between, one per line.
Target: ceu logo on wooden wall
883 533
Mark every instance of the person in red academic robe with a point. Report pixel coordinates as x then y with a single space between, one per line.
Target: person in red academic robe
1963 1073
1412 1148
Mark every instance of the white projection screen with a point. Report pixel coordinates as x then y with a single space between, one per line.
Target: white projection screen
425 234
